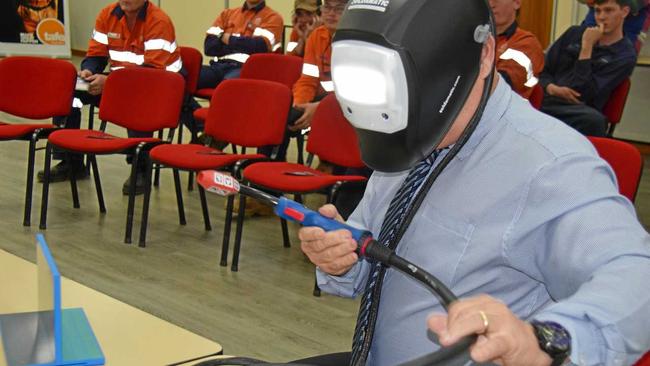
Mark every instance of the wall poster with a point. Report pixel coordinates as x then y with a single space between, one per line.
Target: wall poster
34 27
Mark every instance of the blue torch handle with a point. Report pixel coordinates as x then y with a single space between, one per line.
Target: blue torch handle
294 211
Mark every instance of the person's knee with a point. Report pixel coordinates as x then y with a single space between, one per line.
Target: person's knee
209 77
594 124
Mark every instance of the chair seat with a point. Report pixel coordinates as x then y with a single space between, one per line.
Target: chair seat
201 114
291 177
9 131
196 157
95 142
205 93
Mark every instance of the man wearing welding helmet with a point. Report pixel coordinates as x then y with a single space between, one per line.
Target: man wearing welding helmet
510 208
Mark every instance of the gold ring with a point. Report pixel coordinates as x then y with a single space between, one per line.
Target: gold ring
486 322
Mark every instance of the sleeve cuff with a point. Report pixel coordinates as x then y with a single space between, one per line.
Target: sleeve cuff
339 285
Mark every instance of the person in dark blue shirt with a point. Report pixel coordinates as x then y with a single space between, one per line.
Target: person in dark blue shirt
583 67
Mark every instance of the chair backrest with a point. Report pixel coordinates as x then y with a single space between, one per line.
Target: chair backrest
284 69
536 96
36 87
626 161
615 105
142 99
249 113
192 61
332 138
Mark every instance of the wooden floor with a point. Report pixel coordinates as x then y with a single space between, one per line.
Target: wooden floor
264 310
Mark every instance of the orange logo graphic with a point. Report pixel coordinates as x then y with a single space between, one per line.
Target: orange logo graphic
51 31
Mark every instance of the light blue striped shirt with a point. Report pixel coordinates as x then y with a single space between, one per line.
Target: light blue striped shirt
528 213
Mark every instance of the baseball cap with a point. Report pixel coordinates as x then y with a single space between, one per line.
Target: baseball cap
309 5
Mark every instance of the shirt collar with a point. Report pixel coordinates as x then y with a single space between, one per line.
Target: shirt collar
142 14
256 8
494 110
510 31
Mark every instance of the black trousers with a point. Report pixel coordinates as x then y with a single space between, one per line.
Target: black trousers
583 118
332 359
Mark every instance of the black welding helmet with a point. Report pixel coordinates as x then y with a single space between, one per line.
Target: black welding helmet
402 71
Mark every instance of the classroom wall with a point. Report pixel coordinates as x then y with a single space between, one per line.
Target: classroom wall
82 21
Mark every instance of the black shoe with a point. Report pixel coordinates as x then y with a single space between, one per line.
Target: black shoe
61 172
139 184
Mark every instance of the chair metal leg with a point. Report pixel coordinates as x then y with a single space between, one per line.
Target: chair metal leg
46 186
91 125
131 205
179 139
179 197
226 231
610 130
300 142
285 234
238 232
98 183
27 218
91 117
190 181
144 222
73 183
204 208
310 159
316 291
156 178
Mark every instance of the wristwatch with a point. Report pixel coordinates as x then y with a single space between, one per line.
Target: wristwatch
553 339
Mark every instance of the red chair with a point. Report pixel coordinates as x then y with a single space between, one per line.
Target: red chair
613 109
283 69
332 139
625 159
192 59
34 88
139 99
231 118
537 96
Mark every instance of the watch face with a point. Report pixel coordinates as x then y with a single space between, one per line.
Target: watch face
553 338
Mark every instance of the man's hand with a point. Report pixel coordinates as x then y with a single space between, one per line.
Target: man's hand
315 23
506 340
304 32
564 92
307 115
85 74
225 38
592 35
96 85
333 251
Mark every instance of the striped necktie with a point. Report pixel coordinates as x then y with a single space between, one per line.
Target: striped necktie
394 217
